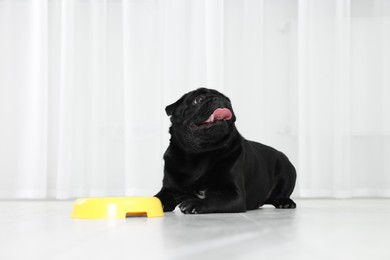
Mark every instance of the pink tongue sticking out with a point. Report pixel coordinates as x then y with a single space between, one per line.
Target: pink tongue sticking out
220 114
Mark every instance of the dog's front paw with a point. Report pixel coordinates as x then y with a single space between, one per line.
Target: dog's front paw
193 206
167 200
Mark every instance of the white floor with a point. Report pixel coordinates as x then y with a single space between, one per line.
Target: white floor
317 229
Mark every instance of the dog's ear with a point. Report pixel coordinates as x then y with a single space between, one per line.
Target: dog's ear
172 107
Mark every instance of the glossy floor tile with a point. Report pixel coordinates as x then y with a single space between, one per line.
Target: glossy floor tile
317 229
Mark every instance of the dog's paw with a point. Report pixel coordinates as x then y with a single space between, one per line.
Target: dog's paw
167 200
193 206
285 204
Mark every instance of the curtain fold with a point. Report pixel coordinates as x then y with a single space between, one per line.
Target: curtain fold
84 84
324 98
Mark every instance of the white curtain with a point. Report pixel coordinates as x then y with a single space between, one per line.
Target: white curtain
84 83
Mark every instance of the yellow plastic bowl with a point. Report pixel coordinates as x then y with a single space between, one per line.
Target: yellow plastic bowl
119 207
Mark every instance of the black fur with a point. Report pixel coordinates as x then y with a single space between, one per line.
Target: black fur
210 167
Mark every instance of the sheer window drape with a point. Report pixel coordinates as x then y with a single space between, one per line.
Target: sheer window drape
83 86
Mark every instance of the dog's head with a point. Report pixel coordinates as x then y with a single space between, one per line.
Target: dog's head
202 120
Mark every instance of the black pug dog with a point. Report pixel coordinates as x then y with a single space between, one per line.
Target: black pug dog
211 168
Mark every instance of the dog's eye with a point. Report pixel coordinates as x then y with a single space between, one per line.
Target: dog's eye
198 100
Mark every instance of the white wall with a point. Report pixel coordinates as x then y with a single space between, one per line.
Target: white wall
83 86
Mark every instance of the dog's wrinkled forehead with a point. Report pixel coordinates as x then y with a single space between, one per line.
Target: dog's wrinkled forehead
190 98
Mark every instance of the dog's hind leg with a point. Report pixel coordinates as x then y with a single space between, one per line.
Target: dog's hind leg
280 200
280 194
